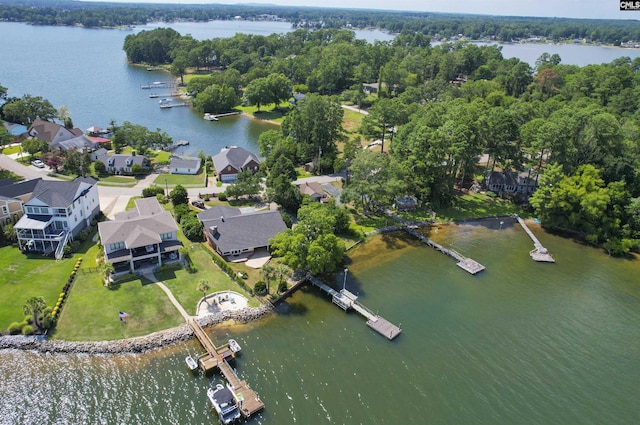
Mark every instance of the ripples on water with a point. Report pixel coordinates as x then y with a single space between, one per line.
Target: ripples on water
520 343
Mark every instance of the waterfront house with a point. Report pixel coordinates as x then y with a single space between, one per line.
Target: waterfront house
81 143
405 203
185 165
121 163
50 132
508 182
12 197
139 238
234 234
15 130
231 161
55 213
314 190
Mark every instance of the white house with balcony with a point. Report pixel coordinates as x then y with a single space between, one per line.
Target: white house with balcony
55 213
140 238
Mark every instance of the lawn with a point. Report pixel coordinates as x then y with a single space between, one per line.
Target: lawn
123 181
190 180
477 205
11 150
91 312
25 276
184 285
267 112
351 121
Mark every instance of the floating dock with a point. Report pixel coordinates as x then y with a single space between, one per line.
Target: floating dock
216 357
539 253
347 300
172 105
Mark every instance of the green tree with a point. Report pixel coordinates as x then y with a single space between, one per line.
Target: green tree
35 306
27 108
100 168
179 67
10 233
192 227
203 286
257 92
179 196
316 127
33 146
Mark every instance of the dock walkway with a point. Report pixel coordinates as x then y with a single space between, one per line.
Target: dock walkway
250 403
463 262
347 300
539 253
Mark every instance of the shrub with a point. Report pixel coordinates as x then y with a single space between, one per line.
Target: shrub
222 196
149 192
260 288
27 330
161 198
206 198
67 250
73 246
15 328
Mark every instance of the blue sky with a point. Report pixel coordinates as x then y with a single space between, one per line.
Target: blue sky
594 9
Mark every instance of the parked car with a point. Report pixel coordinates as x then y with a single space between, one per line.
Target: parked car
198 203
37 163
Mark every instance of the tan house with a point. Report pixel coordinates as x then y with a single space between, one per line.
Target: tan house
314 190
10 210
140 238
13 195
51 132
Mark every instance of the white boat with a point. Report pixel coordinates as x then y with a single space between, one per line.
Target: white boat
210 117
192 363
164 101
234 346
154 95
225 403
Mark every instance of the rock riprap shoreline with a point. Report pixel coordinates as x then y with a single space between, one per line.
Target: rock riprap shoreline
140 344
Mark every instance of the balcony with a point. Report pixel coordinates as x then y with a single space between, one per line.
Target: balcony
149 250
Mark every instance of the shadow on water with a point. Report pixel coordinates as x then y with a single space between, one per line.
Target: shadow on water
288 307
492 223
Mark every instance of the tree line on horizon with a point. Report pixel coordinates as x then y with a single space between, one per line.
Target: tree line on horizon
502 28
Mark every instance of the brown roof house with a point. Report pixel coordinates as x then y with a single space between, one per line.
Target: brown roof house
234 234
12 196
314 190
231 161
140 238
507 182
51 132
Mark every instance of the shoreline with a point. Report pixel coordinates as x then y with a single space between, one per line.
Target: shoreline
135 345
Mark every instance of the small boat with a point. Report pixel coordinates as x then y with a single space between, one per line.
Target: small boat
234 346
225 403
210 117
154 95
164 101
192 363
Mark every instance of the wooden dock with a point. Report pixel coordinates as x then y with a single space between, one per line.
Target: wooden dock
463 262
227 114
347 300
216 357
173 105
539 253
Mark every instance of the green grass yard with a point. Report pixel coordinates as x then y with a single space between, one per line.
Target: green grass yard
26 276
187 180
477 205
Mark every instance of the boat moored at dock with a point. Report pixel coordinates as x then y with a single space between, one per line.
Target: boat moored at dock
234 346
225 403
192 363
210 117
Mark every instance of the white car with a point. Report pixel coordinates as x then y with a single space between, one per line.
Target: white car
37 163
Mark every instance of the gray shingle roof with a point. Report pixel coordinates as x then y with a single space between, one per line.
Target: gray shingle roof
120 160
78 142
14 190
59 194
140 227
237 231
234 156
185 163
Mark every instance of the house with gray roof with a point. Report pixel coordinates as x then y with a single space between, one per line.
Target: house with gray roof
121 163
314 190
10 210
81 143
232 233
231 161
51 132
55 213
184 165
140 238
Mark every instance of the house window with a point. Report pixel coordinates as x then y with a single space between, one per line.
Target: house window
116 246
4 209
29 210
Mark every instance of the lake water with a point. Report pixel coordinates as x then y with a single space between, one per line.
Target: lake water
520 343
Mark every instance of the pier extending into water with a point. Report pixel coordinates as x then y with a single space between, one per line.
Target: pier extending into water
463 262
216 357
347 300
539 253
